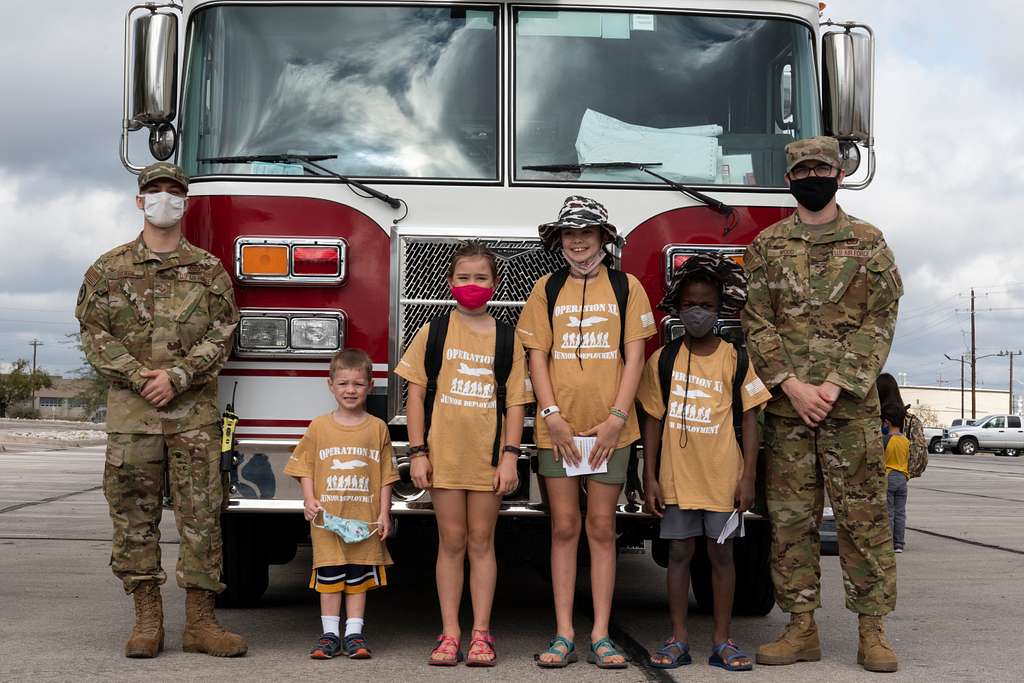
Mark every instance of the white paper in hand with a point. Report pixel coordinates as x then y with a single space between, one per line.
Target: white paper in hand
584 444
735 521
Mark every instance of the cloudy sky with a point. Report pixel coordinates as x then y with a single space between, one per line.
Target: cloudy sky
949 191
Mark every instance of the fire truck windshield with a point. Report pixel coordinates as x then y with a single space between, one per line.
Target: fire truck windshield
392 91
714 99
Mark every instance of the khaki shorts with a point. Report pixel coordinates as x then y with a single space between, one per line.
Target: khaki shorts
547 466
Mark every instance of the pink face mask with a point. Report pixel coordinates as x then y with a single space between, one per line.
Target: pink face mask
472 296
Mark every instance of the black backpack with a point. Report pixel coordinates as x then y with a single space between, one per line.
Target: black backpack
620 285
504 340
667 361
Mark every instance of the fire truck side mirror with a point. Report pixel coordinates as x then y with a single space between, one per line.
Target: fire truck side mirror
155 74
848 69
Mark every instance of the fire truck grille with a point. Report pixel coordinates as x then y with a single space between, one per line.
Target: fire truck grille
423 294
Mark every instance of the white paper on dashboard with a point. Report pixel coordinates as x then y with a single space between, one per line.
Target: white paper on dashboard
735 521
584 444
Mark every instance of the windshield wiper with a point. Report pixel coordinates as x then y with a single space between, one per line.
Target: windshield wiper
720 207
308 161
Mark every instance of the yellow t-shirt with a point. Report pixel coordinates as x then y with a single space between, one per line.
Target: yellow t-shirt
584 359
464 419
348 466
897 455
701 466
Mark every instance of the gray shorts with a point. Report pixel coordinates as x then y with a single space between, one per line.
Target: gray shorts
678 524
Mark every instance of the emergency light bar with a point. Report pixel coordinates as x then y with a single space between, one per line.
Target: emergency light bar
268 333
290 261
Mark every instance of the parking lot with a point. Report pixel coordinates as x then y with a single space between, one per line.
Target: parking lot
961 587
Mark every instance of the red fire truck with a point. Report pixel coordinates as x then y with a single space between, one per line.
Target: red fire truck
339 150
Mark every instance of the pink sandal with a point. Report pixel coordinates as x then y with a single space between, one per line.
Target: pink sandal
447 646
481 650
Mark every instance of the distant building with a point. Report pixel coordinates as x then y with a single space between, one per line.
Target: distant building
945 401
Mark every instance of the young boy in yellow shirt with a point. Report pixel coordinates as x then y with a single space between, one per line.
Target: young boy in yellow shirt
704 477
345 468
897 457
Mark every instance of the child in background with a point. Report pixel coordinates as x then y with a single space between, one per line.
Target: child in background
897 455
344 465
704 477
468 458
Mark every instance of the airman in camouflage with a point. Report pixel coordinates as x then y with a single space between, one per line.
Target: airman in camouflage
157 317
822 300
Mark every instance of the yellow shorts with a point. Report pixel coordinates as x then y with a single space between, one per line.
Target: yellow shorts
348 578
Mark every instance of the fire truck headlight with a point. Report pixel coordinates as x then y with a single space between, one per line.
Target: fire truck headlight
263 333
322 334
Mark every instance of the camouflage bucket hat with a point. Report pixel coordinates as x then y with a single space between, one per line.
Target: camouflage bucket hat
163 170
577 212
720 268
822 148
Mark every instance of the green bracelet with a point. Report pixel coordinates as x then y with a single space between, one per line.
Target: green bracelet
618 413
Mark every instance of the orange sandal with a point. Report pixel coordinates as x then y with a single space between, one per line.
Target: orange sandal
481 650
447 646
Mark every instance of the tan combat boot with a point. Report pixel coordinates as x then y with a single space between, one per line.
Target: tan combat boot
147 638
798 643
874 652
203 633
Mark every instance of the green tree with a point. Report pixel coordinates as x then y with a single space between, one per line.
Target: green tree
19 384
94 389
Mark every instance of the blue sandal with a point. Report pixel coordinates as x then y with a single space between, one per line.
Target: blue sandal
601 659
681 658
564 658
725 655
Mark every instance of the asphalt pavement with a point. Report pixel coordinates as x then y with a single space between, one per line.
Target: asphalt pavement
64 617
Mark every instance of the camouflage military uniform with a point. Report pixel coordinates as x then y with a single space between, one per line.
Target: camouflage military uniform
821 306
138 313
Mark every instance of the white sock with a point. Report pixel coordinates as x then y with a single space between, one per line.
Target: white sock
353 625
330 624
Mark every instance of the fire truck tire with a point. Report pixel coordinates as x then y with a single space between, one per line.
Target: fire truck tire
755 594
246 563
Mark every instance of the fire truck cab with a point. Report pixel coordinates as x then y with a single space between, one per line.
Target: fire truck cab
338 151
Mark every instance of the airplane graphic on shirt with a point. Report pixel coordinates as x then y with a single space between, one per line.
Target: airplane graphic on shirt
589 321
679 390
347 465
474 372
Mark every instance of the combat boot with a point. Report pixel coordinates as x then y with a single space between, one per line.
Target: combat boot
798 643
203 633
875 653
147 638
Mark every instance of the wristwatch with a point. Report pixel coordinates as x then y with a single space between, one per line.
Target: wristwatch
550 410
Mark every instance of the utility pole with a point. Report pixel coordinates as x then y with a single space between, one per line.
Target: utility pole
35 344
974 362
961 361
1011 354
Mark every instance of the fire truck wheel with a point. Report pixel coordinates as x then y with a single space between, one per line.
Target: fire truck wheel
246 564
755 595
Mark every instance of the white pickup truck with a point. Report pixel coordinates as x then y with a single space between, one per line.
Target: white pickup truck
1001 434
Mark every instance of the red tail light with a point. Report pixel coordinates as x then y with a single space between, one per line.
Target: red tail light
316 261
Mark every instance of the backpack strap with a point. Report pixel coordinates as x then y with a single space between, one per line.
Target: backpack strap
504 345
667 361
432 364
742 363
551 289
620 285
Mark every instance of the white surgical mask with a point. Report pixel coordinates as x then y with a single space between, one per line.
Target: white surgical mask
587 267
163 209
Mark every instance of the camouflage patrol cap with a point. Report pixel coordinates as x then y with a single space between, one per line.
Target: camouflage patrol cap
578 212
165 170
813 149
723 270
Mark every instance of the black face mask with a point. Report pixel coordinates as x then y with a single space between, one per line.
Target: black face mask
814 193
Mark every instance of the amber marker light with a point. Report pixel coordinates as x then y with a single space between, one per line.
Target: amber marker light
265 259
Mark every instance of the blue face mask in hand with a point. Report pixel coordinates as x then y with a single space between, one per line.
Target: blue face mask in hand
350 530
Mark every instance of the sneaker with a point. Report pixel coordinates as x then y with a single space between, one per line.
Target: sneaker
327 647
899 550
